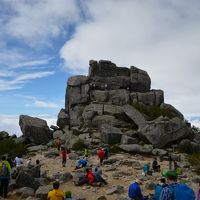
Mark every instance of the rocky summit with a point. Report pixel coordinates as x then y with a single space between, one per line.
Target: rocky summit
116 105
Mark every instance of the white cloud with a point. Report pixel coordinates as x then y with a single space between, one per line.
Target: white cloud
161 37
36 22
19 80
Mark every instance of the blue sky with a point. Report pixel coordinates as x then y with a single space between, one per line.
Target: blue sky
42 43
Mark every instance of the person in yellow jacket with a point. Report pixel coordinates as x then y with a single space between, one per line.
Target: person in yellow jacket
56 193
5 176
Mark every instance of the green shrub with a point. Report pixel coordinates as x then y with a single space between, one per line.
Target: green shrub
79 145
154 112
114 149
9 145
194 159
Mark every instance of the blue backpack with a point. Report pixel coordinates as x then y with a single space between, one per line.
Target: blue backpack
183 192
158 191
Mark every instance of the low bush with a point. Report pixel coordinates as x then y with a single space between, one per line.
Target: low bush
9 146
194 159
79 145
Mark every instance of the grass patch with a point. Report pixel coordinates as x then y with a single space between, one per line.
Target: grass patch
154 112
9 145
114 149
194 159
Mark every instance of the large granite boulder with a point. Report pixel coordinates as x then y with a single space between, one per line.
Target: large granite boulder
35 129
150 98
189 146
3 135
63 118
163 131
77 91
110 134
140 80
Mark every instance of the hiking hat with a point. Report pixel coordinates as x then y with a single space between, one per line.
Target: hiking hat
169 174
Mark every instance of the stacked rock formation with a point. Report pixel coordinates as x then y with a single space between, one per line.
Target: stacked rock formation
105 100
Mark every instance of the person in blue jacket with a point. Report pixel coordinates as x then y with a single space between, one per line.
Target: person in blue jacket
81 163
134 191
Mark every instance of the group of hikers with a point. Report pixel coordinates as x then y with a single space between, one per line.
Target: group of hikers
164 190
10 168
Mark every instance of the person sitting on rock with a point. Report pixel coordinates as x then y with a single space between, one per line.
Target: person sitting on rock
158 188
155 166
177 168
146 169
90 176
100 154
134 191
98 177
81 163
56 193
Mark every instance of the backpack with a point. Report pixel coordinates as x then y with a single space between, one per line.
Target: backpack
183 192
158 191
4 171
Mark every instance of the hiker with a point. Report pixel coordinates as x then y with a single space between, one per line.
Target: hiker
63 156
58 143
81 163
106 152
56 193
29 163
90 176
198 193
98 177
134 191
146 169
158 188
175 190
100 154
155 166
5 176
86 152
68 195
18 162
177 168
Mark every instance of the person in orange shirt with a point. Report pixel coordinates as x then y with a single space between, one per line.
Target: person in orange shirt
56 193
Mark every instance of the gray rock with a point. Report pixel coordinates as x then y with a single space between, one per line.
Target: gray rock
106 68
134 115
65 177
32 198
55 128
3 135
35 129
189 146
42 192
25 192
159 152
119 97
162 131
140 80
151 98
58 133
26 180
128 140
109 134
63 118
150 185
37 148
136 148
115 189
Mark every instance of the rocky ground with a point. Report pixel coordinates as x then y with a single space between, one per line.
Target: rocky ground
122 170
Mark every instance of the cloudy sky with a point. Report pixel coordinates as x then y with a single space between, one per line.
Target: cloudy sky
43 42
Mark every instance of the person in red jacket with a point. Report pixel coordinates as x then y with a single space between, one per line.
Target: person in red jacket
64 156
90 176
100 154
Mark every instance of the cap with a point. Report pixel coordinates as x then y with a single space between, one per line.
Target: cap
169 174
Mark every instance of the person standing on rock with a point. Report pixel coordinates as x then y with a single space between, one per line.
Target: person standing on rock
100 154
56 193
63 156
5 175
